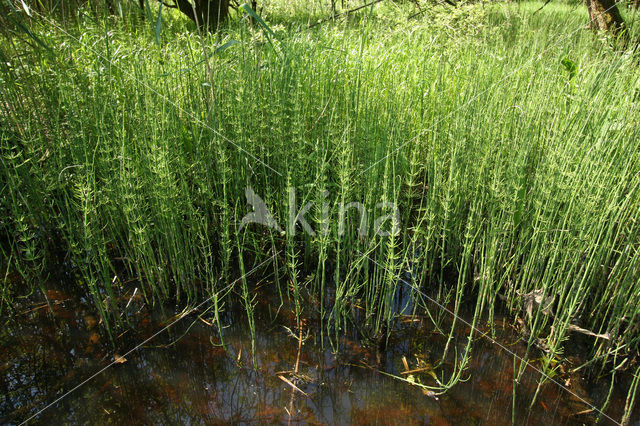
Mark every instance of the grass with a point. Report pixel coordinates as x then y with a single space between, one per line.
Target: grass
507 139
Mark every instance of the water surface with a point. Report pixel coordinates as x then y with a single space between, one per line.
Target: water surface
185 375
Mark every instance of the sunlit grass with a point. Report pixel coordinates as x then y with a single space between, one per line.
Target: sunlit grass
507 139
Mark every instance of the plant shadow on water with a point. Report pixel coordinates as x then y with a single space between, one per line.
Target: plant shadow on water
186 376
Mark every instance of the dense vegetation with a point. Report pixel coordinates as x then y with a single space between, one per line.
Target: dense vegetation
507 139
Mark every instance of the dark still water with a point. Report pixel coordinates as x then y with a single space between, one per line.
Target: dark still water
184 375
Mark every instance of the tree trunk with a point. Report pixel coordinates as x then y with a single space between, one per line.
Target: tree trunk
604 15
214 12
207 14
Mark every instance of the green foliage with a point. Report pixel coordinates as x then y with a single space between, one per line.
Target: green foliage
132 158
571 67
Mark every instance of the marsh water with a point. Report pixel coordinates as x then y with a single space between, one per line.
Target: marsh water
185 376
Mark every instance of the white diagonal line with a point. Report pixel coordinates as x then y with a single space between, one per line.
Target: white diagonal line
526 64
494 341
164 98
146 340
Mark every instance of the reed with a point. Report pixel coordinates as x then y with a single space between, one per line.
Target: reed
507 139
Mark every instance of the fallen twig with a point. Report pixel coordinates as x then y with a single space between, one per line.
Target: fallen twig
417 370
355 9
542 7
587 411
572 327
287 381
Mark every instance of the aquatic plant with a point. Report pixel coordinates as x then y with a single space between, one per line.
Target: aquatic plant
129 155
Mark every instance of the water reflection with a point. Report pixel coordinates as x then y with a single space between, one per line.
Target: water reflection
185 376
